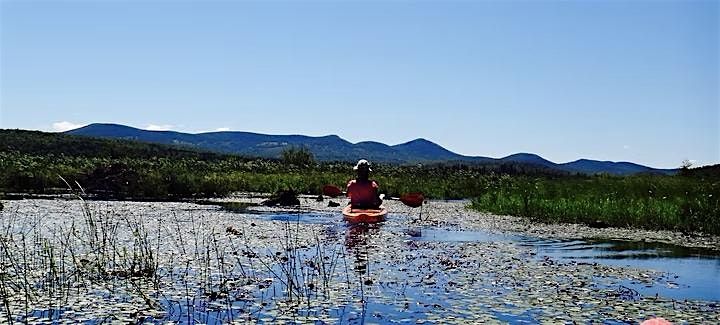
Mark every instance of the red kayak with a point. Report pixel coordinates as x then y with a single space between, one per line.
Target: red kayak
364 215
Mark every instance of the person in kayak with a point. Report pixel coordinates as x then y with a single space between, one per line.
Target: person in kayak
362 191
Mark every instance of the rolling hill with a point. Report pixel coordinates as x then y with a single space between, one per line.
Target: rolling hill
334 148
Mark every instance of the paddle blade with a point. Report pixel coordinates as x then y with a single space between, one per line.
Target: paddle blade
332 190
412 200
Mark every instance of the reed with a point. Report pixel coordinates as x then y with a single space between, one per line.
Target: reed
650 202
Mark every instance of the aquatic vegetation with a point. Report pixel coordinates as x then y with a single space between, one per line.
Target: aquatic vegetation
163 261
678 203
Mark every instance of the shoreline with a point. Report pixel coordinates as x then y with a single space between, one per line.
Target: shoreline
449 214
455 215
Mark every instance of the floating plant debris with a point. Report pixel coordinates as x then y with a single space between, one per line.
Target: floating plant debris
160 262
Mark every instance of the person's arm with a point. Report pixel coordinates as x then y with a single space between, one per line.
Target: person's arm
376 187
348 189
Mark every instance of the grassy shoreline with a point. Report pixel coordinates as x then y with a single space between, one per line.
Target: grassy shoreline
41 163
685 203
678 203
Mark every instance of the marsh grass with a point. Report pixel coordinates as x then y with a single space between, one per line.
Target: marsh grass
48 263
209 266
191 177
135 268
685 202
650 202
31 161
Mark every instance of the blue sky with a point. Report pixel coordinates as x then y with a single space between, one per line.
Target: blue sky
610 80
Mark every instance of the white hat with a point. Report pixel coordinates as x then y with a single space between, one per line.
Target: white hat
362 163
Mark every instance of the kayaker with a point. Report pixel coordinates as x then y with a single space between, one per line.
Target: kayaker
362 191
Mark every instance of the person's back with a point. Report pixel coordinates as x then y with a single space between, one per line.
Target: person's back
362 191
363 194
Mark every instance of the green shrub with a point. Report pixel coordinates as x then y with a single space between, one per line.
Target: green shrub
298 156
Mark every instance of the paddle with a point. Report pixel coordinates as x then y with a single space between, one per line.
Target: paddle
332 191
413 200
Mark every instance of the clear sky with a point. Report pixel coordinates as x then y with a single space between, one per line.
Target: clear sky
610 80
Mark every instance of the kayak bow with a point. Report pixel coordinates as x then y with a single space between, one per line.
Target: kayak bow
364 215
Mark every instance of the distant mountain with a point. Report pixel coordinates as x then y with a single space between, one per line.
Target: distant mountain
334 148
587 166
38 143
529 158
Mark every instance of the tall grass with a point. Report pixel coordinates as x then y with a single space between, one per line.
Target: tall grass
686 202
651 202
172 268
50 266
168 178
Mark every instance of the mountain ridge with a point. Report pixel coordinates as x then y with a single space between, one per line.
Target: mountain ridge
333 147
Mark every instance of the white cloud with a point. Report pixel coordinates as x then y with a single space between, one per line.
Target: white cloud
65 126
159 127
222 129
626 147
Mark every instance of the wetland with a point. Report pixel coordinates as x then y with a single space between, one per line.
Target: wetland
67 261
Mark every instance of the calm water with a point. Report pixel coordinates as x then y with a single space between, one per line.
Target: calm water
394 272
691 273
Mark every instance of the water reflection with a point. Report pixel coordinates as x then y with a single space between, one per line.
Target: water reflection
690 272
652 249
618 249
358 242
